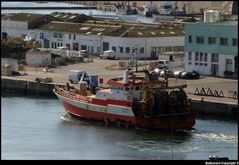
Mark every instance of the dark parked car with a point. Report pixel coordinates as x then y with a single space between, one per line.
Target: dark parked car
189 75
166 72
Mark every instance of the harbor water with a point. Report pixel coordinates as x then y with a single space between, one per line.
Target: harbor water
32 129
60 4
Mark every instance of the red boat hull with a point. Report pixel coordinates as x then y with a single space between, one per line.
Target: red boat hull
168 121
84 113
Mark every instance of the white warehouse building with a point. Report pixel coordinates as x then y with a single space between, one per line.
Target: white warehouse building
127 39
79 32
17 25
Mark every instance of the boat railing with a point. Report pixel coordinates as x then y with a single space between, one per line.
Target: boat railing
71 95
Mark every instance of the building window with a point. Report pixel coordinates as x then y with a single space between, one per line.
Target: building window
205 64
189 63
83 47
223 41
196 56
200 39
121 49
105 46
215 57
234 42
52 44
189 39
168 49
75 46
211 40
201 56
205 57
55 35
228 61
114 48
127 50
196 63
69 36
68 45
189 56
178 48
74 37
141 50
201 64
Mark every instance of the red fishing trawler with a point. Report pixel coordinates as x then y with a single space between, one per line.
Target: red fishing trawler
138 99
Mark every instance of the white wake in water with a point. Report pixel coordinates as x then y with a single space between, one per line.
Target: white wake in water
220 137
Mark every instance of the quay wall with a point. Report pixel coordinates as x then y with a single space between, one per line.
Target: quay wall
28 87
199 107
217 109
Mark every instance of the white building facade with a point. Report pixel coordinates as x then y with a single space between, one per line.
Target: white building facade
212 48
38 58
11 28
17 25
96 39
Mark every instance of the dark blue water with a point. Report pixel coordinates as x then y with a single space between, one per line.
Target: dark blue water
34 4
32 129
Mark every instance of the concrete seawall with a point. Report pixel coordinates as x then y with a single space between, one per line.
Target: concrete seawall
199 107
28 87
212 108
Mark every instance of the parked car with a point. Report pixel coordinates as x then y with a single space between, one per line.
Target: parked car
166 72
176 74
156 71
189 75
109 54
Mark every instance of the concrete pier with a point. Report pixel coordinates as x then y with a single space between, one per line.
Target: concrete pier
227 110
28 87
200 107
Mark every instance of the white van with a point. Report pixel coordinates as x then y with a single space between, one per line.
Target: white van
109 54
162 64
75 76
